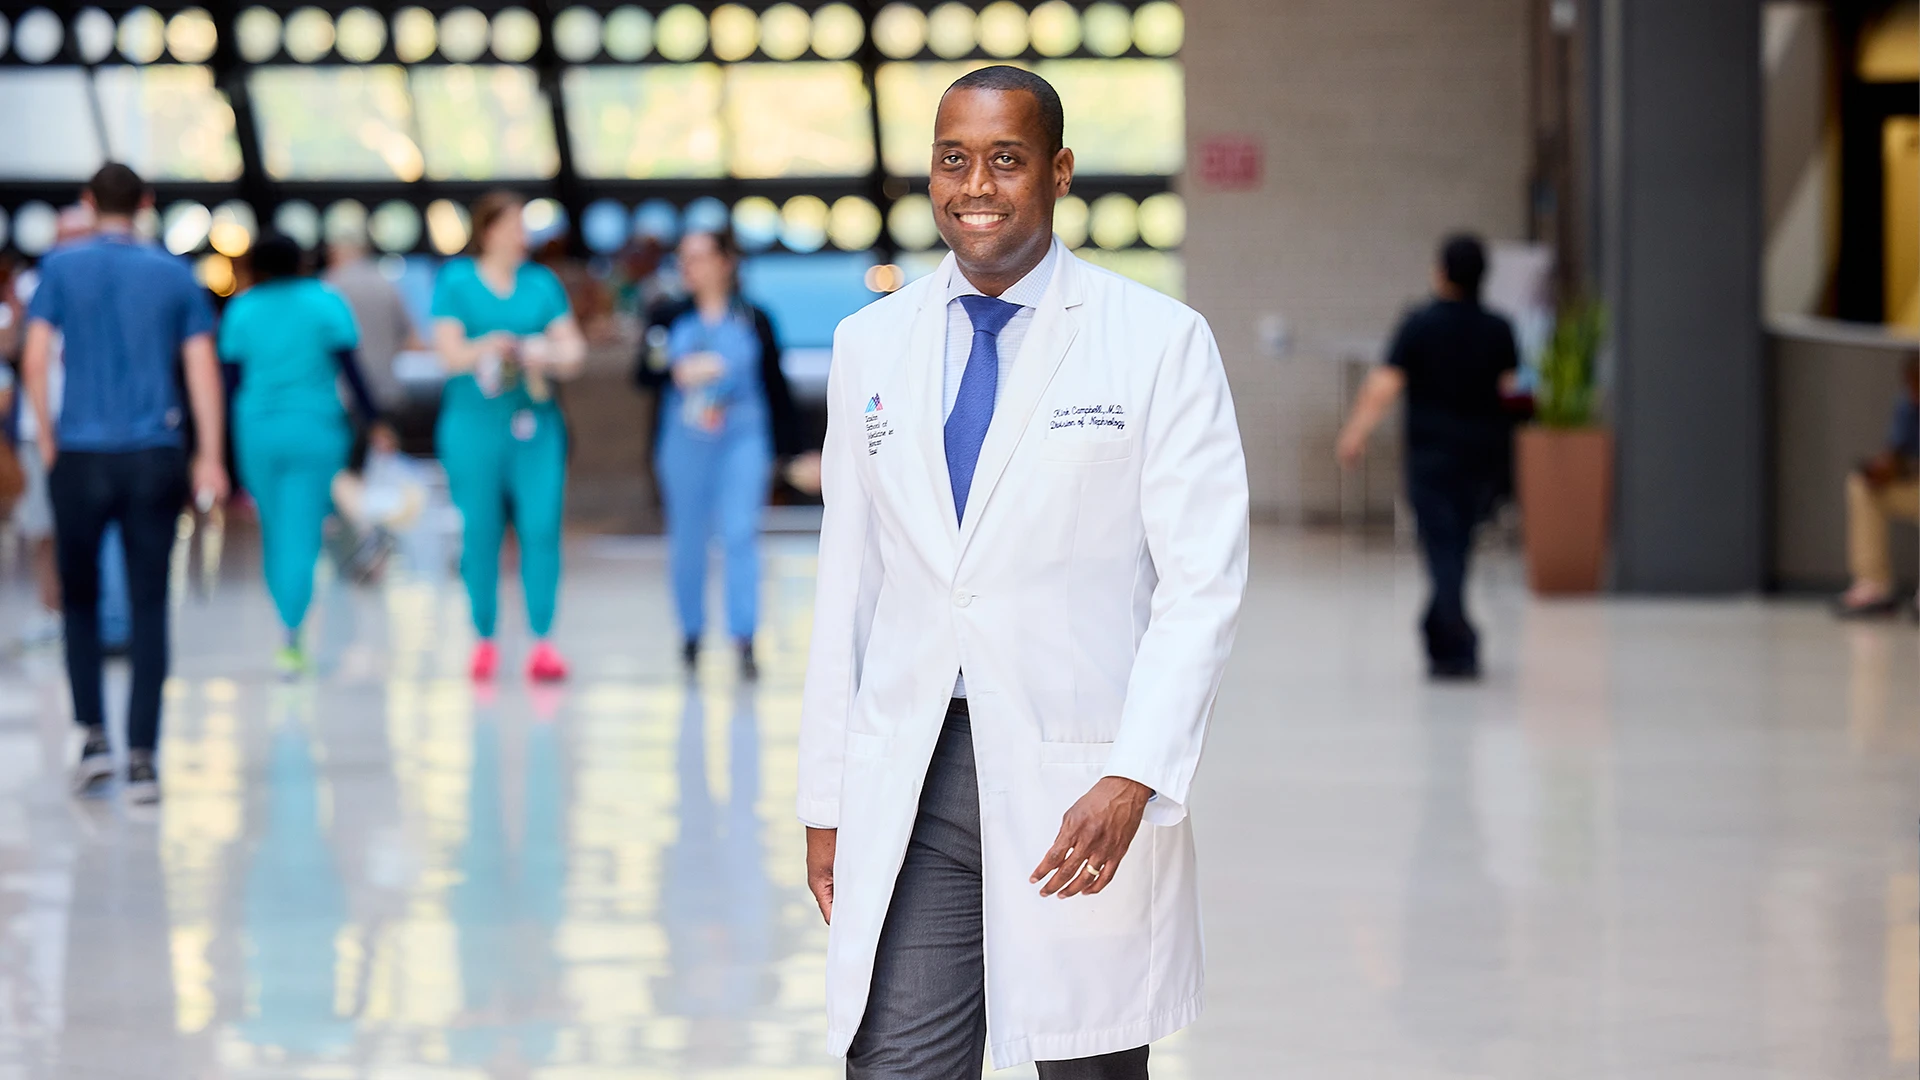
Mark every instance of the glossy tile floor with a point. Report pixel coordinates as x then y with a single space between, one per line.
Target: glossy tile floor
1662 840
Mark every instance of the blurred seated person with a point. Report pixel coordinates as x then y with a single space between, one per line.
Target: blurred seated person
1885 488
377 500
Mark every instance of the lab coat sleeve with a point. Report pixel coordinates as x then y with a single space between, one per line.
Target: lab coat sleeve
1193 501
846 590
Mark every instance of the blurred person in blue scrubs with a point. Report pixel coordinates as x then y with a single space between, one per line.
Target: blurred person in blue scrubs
136 326
725 412
291 340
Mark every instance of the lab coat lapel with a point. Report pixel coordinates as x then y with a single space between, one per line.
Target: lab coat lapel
1055 324
926 360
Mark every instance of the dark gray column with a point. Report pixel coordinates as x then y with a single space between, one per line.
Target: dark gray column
1680 193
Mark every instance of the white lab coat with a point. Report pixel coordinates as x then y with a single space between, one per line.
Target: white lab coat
1091 597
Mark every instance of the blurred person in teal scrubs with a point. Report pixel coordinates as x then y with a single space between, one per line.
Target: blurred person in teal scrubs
505 334
725 413
291 339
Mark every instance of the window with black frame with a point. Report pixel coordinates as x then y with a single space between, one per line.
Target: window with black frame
804 125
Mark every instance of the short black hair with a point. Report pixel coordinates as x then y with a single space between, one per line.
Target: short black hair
276 257
1463 259
1053 118
117 190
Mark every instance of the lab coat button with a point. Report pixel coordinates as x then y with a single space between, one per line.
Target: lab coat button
961 599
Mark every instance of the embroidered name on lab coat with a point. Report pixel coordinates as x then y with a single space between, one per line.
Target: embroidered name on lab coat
878 426
1113 417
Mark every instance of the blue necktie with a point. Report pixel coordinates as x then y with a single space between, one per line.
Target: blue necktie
973 405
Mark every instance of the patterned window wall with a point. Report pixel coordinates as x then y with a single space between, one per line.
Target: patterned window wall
807 126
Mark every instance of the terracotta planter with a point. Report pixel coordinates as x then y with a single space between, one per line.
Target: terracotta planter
1566 503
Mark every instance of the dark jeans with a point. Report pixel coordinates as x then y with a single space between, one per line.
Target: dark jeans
143 490
1449 500
927 1012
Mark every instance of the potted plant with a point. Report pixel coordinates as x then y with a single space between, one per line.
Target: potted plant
1565 462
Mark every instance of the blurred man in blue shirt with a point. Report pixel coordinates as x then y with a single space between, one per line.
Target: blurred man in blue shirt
1883 489
133 320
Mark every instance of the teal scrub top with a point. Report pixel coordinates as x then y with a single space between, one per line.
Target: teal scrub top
459 293
285 335
537 299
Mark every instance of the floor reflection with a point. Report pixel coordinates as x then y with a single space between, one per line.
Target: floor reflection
1662 841
1455 994
716 899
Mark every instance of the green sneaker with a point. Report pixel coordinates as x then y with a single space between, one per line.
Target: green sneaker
291 662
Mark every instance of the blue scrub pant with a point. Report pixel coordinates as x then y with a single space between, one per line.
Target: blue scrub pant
708 486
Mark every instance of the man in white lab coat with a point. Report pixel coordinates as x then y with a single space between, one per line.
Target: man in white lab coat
1031 567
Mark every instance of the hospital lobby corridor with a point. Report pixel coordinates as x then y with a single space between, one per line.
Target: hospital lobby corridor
1663 839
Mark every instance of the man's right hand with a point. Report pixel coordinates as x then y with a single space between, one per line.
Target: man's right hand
820 848
49 447
210 482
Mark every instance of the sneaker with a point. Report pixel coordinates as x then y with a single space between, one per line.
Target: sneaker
690 653
95 767
290 662
545 665
1872 608
486 659
748 669
143 780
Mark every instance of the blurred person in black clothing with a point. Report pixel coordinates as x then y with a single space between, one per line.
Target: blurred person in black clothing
1455 361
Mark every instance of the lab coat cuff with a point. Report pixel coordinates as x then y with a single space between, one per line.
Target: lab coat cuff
819 814
1163 811
1160 809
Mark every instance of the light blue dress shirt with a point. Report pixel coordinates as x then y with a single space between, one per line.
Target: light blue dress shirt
1027 292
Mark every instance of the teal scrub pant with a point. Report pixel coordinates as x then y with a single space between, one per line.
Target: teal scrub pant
503 457
287 463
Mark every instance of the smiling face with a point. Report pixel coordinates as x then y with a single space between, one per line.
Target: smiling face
994 182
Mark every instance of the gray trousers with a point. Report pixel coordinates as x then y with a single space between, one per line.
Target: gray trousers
927 1012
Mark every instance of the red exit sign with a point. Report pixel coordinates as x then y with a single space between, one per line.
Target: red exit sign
1230 163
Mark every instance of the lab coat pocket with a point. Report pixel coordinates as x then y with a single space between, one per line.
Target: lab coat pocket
1086 451
869 747
1075 753
1103 939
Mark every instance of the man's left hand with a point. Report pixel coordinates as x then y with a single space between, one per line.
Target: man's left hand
1094 835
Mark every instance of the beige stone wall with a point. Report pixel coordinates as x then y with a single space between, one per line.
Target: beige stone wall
1385 123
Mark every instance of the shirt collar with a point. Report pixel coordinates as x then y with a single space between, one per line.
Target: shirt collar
1027 292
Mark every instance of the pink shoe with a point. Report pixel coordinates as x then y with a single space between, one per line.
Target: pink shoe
545 665
485 660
